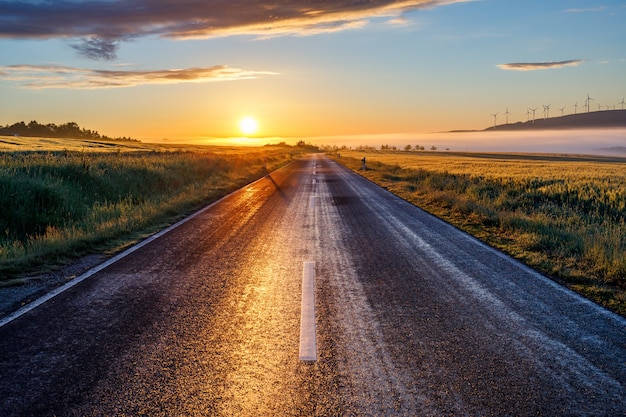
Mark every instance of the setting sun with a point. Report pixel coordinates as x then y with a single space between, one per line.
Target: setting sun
248 125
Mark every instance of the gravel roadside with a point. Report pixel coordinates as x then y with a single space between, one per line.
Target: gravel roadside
15 297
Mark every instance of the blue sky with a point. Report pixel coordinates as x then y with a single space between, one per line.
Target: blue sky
156 69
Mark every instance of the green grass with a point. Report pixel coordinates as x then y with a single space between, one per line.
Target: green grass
61 204
562 215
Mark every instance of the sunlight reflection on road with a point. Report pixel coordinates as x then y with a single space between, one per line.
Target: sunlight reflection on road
265 371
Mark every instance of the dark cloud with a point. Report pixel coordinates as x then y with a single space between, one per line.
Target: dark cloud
101 23
98 49
533 66
56 76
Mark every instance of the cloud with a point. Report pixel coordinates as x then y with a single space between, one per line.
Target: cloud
398 21
533 66
97 49
101 24
592 9
55 76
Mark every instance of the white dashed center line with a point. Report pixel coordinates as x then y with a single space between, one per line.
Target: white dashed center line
308 344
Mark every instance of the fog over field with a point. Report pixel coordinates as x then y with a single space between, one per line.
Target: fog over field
577 141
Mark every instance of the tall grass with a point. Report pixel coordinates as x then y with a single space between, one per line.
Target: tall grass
63 203
563 216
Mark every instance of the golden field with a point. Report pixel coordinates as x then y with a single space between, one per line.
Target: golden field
564 215
63 198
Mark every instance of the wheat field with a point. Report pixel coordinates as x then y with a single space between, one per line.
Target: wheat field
564 215
62 199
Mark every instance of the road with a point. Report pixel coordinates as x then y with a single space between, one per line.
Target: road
412 317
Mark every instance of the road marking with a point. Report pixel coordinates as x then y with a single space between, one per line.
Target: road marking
312 201
308 344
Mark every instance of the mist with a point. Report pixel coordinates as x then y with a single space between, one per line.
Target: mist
578 141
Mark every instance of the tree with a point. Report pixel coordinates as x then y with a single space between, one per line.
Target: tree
408 148
50 130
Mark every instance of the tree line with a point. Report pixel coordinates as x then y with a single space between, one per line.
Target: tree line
407 148
51 130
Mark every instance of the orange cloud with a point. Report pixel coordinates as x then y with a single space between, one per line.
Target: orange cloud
533 66
102 24
54 76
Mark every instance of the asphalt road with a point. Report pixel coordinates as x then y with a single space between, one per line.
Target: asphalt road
412 318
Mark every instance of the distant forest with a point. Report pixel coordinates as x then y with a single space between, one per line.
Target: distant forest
50 130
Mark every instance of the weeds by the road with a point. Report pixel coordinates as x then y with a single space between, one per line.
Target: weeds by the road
564 216
62 204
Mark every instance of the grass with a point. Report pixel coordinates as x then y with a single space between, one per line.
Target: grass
78 197
560 214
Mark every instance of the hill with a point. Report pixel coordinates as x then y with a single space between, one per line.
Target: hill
591 120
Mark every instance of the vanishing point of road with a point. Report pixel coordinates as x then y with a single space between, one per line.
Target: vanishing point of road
313 292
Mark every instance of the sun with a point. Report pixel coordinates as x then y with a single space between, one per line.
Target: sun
248 125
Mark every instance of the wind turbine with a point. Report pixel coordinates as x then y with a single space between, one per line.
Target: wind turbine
507 115
495 117
534 110
588 103
622 103
527 114
562 111
546 111
576 108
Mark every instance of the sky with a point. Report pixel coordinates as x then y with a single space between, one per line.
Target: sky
319 71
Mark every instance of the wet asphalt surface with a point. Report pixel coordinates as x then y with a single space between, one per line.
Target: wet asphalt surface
413 318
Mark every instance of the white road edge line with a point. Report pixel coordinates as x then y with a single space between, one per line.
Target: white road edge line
308 343
96 269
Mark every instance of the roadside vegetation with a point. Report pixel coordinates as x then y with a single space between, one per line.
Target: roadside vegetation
562 215
59 204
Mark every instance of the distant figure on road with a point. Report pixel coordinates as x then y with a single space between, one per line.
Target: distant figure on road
363 166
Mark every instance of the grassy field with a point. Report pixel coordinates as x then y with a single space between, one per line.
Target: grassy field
563 215
61 199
